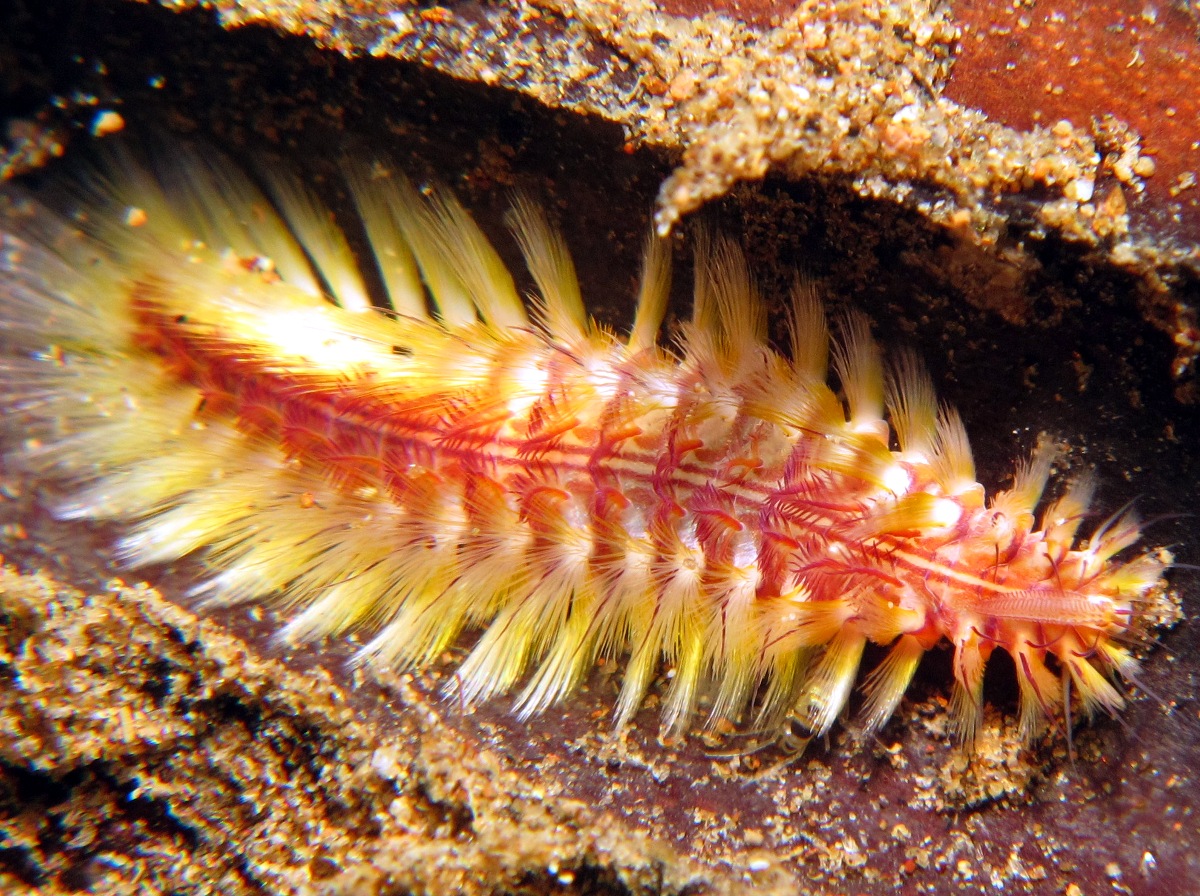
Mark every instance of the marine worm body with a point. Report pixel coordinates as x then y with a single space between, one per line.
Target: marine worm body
200 358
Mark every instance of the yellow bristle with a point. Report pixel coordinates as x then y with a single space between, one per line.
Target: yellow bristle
654 293
663 627
728 308
685 687
912 405
478 266
567 659
91 420
804 622
625 616
492 566
1061 520
321 237
783 672
1116 534
808 332
888 681
731 637
953 463
882 619
1118 658
859 369
799 405
560 305
966 700
195 456
221 509
828 686
435 258
1040 692
218 206
1029 482
1138 575
866 459
1095 691
376 196
912 513
533 616
675 618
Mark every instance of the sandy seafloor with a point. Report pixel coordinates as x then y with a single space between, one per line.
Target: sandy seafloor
150 746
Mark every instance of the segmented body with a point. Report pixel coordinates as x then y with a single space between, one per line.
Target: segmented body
720 509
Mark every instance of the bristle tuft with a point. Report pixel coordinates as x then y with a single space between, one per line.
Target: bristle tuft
859 369
1062 519
808 331
560 305
728 308
953 463
654 293
435 259
376 195
1029 482
322 239
828 687
887 683
912 405
477 265
966 700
